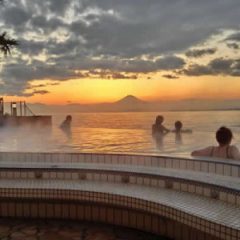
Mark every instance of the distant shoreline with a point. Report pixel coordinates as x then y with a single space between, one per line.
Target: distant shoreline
155 111
133 104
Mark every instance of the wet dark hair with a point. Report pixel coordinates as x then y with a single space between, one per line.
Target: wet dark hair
224 135
178 125
69 117
159 119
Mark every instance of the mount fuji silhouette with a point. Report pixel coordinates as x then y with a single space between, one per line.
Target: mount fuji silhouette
129 103
130 99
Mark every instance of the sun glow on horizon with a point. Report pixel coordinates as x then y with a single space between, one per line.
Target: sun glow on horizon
90 91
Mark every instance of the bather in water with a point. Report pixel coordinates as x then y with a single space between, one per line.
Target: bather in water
179 130
66 125
224 149
159 131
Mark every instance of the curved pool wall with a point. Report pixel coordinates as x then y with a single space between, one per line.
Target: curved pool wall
177 198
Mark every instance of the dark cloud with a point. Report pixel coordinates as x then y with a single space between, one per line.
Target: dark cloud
107 74
118 36
123 65
170 76
43 25
170 63
196 70
53 84
42 85
234 46
37 92
31 47
37 71
59 6
123 76
219 66
37 86
16 16
234 37
17 76
196 53
42 92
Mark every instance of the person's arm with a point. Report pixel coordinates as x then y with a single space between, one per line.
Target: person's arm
235 153
165 129
186 131
205 152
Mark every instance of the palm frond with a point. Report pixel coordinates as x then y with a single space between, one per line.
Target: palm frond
6 44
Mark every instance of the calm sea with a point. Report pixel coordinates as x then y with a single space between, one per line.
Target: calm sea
123 132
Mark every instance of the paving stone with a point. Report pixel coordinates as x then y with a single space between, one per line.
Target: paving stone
4 238
4 229
69 234
29 230
17 235
49 236
69 230
99 234
31 238
3 235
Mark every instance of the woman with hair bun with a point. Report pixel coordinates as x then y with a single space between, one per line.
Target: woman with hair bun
224 149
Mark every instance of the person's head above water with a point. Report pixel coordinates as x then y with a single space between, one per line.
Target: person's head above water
224 136
178 125
69 118
159 119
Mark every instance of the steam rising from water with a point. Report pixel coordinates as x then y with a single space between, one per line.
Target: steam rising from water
120 132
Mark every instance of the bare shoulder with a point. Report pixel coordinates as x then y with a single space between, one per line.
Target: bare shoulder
234 148
203 152
235 152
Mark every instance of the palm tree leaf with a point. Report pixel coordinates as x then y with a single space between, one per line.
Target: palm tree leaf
7 43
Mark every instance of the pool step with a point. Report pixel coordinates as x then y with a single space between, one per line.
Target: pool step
214 186
195 211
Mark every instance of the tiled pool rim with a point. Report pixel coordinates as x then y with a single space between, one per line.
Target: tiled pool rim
215 166
201 227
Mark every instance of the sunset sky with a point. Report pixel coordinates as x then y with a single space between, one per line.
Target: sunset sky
89 51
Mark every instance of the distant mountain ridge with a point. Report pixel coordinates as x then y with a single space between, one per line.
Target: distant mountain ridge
130 99
131 103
